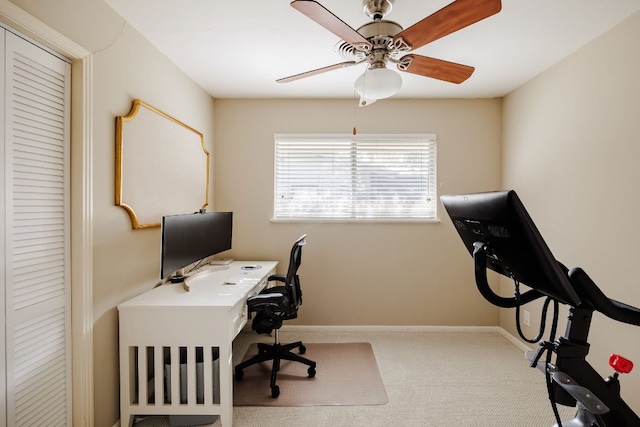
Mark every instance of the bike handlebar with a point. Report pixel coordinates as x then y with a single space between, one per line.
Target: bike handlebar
590 293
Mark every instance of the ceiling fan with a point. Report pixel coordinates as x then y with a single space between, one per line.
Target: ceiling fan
382 41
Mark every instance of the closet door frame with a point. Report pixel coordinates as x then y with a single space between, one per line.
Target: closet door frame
81 202
3 334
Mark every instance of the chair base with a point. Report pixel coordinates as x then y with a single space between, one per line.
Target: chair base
277 352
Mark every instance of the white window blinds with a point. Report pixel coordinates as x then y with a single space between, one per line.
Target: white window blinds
355 177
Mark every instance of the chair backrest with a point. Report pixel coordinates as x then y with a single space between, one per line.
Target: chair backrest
292 281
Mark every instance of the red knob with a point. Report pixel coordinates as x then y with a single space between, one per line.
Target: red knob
620 364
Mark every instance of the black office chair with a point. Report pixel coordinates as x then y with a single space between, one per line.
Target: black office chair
272 306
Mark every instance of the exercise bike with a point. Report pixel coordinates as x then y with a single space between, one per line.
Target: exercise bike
500 235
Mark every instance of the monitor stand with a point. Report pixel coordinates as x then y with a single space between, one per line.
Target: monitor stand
178 277
221 261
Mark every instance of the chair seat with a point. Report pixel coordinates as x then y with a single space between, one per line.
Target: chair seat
275 300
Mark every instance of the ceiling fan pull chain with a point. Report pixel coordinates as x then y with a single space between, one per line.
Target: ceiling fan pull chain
354 115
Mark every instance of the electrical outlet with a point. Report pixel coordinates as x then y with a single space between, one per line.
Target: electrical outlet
527 318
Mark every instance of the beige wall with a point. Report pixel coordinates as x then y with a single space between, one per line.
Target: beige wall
359 273
125 261
571 151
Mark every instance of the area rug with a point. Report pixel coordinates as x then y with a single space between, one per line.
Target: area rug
346 375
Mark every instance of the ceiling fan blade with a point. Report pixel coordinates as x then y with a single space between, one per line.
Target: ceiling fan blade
449 19
331 22
316 71
435 68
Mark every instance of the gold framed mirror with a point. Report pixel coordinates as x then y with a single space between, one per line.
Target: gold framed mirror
162 166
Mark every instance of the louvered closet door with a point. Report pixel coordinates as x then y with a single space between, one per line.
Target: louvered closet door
36 236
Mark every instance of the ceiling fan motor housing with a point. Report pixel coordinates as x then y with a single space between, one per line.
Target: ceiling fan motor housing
380 28
380 34
377 9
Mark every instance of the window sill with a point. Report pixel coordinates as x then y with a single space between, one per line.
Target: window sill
358 220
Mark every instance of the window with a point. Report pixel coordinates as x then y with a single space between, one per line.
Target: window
363 177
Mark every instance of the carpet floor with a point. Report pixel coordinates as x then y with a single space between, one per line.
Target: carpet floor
432 379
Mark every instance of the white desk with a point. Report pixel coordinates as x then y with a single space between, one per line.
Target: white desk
163 320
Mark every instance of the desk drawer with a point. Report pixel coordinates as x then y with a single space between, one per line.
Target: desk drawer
238 317
240 311
257 288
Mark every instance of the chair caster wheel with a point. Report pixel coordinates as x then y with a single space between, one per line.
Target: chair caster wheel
303 349
275 391
312 372
239 375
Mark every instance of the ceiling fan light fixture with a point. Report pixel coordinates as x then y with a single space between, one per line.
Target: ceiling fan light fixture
378 83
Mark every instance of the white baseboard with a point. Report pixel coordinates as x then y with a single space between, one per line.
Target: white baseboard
513 340
411 328
388 328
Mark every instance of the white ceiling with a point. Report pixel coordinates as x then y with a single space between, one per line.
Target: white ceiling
237 49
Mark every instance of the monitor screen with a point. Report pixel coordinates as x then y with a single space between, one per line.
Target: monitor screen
188 238
514 247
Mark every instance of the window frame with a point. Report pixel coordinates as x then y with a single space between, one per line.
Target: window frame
431 214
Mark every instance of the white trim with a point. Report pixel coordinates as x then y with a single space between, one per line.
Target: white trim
31 26
82 200
35 43
82 244
408 328
389 328
359 221
513 340
359 137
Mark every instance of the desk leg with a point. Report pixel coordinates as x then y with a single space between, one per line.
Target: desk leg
226 386
126 420
126 381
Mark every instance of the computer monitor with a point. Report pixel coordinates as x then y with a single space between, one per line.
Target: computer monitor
514 246
188 238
